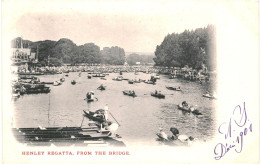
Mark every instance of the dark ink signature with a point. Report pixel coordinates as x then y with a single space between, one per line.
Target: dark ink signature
234 132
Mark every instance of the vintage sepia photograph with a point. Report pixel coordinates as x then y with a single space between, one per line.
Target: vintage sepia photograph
114 75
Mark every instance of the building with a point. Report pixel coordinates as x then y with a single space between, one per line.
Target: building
23 57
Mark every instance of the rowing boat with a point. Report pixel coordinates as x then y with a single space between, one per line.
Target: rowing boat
129 93
158 95
91 115
208 96
174 88
189 109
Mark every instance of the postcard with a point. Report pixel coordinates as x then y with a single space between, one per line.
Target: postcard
130 81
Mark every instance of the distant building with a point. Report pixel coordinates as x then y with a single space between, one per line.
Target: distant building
22 56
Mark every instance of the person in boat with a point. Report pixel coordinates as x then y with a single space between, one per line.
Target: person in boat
98 114
156 92
88 95
133 92
207 93
185 104
179 88
192 108
163 134
101 86
175 133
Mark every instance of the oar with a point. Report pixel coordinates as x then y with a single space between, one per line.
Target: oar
114 118
82 121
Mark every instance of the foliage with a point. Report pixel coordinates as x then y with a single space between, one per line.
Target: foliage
114 55
133 58
65 51
54 62
143 59
192 48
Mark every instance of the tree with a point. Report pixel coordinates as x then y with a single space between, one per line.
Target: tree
133 58
114 55
192 48
54 62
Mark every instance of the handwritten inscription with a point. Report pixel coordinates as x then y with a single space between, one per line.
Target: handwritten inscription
234 132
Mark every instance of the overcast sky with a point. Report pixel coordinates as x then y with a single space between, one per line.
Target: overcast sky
134 26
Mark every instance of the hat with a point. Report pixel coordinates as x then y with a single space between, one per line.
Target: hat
174 131
191 138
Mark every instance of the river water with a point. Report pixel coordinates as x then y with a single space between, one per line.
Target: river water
140 118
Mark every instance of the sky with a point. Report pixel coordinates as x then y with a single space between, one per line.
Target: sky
134 26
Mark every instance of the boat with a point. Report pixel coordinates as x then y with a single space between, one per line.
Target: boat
102 78
207 95
27 77
180 140
51 72
129 93
37 90
46 82
67 75
95 116
65 136
119 78
34 88
98 75
174 88
101 87
90 96
138 81
15 92
56 83
158 95
16 95
130 81
149 82
189 109
30 81
31 73
73 82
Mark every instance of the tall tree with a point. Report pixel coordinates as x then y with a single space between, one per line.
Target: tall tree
192 48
